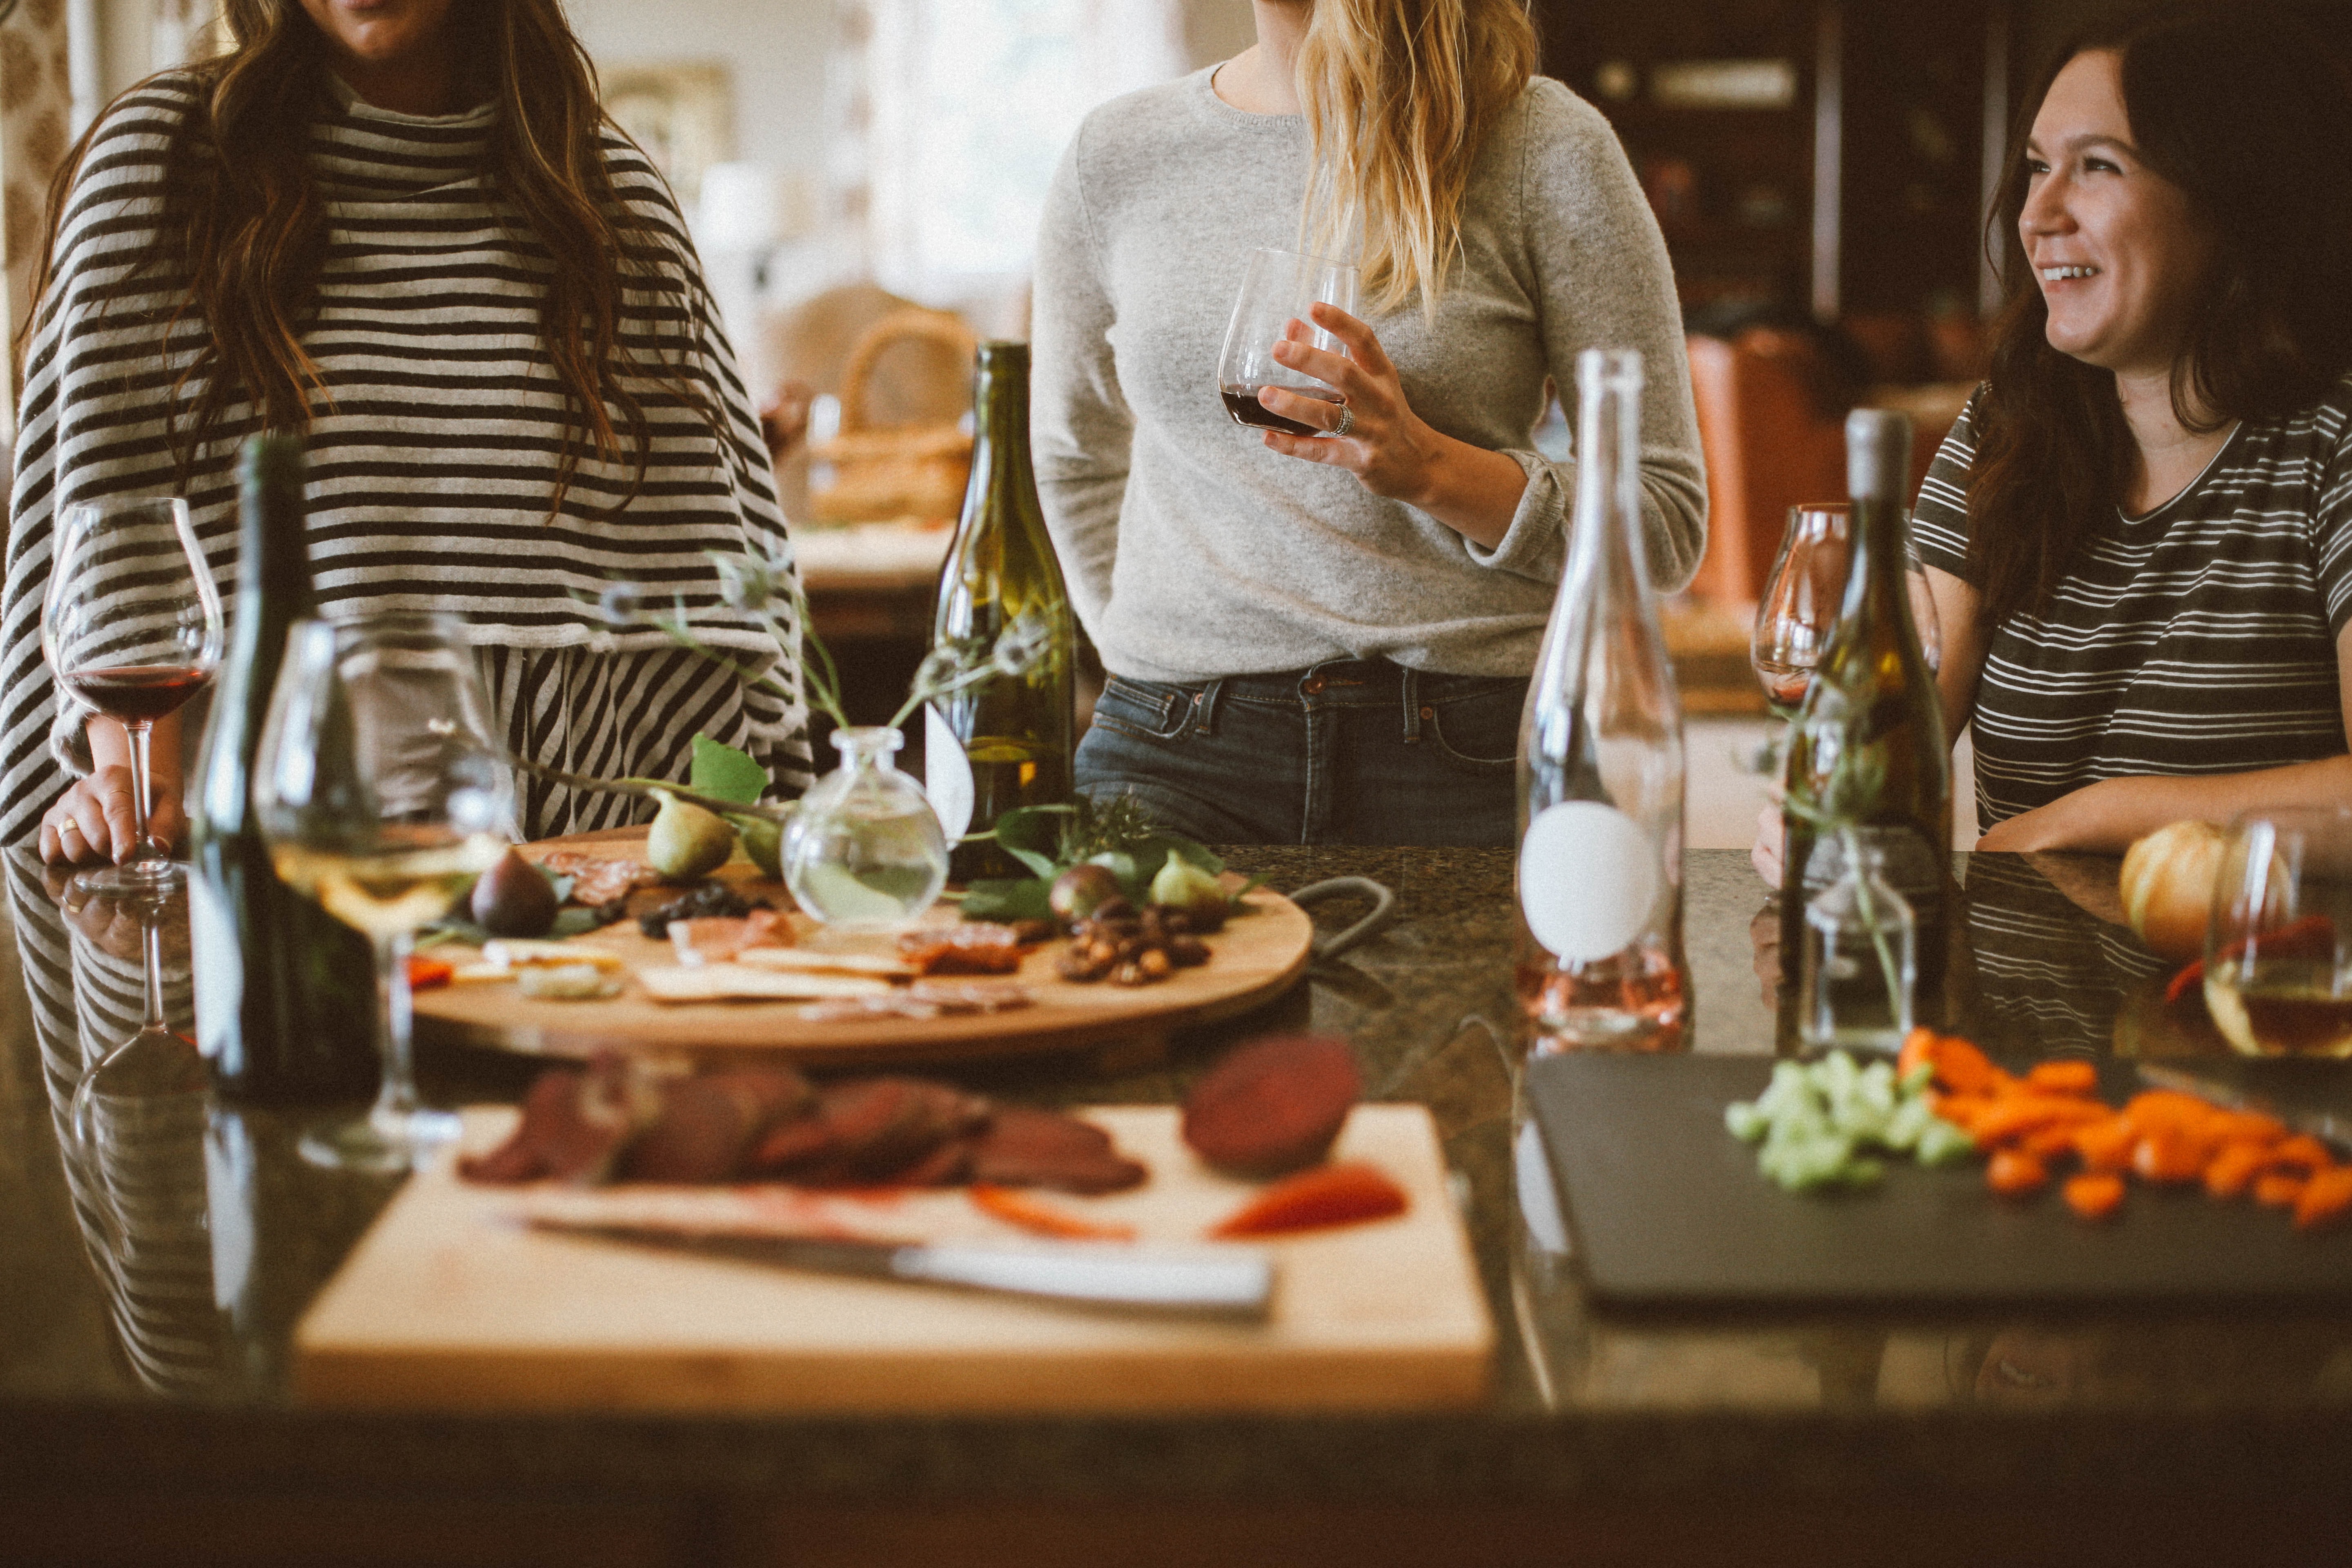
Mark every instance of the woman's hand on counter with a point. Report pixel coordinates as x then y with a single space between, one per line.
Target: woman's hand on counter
1388 448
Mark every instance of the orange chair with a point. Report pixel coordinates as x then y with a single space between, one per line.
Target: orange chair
1768 447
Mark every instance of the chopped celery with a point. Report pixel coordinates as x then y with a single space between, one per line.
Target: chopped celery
1814 1123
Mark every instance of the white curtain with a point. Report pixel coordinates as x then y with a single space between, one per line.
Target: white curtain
950 115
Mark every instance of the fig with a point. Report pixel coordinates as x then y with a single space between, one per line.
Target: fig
763 841
1079 891
514 898
1182 884
687 841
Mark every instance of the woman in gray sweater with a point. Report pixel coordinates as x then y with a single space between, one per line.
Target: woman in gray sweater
1327 639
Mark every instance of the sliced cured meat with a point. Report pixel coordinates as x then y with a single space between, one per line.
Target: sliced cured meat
1273 1105
1030 1148
574 1126
709 1125
597 883
872 1130
973 947
719 939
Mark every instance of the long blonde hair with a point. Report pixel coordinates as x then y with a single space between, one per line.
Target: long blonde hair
1398 96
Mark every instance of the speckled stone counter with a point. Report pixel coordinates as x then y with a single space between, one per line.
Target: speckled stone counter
147 1288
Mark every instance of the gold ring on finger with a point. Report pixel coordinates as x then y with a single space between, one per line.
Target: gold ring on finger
1346 421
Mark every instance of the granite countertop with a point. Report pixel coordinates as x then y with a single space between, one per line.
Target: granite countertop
143 1318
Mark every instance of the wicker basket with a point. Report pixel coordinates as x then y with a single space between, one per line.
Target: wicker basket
882 472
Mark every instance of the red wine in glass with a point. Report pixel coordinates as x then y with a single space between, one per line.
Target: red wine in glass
133 692
1242 403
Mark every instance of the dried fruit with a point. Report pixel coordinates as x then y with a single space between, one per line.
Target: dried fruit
514 898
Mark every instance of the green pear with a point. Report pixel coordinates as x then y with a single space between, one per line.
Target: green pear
1197 892
685 841
763 841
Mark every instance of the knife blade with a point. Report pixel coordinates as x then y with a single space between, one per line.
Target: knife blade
2320 1124
1237 1284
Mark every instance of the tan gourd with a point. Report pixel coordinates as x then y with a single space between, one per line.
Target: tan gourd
2167 887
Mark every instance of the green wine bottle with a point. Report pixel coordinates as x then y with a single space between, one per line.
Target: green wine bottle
1867 751
1006 740
285 993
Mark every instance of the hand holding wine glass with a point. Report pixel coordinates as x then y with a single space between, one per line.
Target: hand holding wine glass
131 626
1279 292
378 787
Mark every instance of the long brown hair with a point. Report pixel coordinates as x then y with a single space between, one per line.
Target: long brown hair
2250 116
247 227
1398 96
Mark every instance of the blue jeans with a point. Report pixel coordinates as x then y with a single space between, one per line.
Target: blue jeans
1351 752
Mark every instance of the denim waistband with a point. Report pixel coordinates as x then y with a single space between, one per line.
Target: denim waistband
1336 683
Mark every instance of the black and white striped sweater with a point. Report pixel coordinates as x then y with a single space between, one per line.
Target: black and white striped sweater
433 470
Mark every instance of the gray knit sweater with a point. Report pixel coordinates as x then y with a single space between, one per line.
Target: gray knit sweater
1191 550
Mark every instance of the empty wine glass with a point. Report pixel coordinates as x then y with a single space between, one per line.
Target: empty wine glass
379 789
1803 594
131 626
1279 291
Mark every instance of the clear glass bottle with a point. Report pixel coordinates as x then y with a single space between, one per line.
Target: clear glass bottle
1861 955
864 850
1600 944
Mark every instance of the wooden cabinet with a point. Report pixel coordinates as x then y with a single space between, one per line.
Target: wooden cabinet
1862 191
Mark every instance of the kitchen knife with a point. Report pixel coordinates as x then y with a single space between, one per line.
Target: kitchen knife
1235 1284
2328 1129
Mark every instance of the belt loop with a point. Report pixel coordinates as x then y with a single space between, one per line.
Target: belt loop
1409 687
1203 718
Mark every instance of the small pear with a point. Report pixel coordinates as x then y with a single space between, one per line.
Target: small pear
685 841
763 841
1197 892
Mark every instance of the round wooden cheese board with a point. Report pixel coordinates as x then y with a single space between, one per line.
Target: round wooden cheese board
1257 956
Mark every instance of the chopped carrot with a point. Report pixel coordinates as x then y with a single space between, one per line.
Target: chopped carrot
2016 1114
1033 1213
2013 1174
2168 1154
1325 1195
2234 1169
2093 1195
2305 1152
1963 1068
2280 1189
425 973
2047 1142
2105 1145
2325 1199
2252 1126
1918 1051
2064 1078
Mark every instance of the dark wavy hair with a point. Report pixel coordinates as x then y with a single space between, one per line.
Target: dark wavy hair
2248 111
247 227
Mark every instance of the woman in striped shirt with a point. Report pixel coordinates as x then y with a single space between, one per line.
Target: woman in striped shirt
404 228
2139 535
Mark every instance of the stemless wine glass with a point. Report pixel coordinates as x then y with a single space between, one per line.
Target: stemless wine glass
1278 291
2278 945
132 625
378 788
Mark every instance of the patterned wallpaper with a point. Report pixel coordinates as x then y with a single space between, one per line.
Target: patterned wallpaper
35 94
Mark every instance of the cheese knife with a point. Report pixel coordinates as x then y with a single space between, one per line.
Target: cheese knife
1237 1284
2328 1129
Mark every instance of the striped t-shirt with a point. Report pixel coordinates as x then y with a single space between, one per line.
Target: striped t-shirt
2200 638
433 469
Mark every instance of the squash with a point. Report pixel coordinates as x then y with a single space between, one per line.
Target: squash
2167 887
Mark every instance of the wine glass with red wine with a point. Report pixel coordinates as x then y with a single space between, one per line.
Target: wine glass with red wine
1278 291
131 626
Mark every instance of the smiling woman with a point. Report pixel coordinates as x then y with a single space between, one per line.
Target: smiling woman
2139 533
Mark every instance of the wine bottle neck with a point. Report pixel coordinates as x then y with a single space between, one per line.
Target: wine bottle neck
1605 537
1000 409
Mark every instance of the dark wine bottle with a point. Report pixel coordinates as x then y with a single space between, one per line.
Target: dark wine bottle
1004 741
285 993
1867 752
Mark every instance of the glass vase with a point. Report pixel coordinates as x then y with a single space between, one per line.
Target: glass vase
1861 955
864 851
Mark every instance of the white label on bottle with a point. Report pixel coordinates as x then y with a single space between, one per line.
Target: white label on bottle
1588 879
946 776
219 968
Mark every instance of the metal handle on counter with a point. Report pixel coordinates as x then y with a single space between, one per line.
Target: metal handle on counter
1383 910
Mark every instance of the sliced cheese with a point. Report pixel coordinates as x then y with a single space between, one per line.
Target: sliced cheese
521 952
739 983
802 961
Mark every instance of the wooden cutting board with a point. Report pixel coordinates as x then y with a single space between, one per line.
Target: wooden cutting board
447 1304
1255 958
1668 1209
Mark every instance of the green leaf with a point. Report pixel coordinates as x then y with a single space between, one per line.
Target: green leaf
725 774
1041 864
1036 828
574 920
1007 899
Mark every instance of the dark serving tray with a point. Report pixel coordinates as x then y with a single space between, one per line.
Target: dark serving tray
1668 1209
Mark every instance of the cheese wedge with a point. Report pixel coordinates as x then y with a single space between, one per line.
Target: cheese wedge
739 983
802 961
521 952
